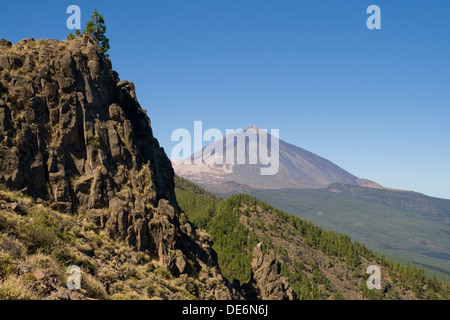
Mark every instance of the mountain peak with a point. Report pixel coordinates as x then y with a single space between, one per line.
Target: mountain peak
254 128
298 168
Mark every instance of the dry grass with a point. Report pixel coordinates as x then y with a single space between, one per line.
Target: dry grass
14 196
44 262
92 287
15 288
6 265
43 240
13 246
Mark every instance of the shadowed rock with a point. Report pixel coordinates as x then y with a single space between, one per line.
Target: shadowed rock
72 133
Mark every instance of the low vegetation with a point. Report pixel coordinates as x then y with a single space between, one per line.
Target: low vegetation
96 26
38 244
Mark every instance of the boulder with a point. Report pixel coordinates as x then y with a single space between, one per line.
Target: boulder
267 279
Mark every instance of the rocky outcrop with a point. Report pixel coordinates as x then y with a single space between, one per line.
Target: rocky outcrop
267 279
74 135
73 132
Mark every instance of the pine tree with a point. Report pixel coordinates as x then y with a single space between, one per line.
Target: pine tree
97 28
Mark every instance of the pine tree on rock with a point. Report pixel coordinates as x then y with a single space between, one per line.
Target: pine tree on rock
97 28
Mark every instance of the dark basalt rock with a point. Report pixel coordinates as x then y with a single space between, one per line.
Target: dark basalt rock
267 279
73 134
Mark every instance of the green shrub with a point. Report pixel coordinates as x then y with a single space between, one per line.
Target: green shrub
41 234
121 296
162 272
95 141
41 41
337 295
69 256
92 287
6 265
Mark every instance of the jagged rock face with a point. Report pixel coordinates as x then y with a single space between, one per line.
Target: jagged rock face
267 279
75 135
72 131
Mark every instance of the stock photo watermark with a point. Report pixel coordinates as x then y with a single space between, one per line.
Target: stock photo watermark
74 280
239 147
374 280
374 21
74 20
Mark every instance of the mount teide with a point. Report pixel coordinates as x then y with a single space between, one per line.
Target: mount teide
298 168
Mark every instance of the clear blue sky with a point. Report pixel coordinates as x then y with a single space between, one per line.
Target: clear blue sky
375 102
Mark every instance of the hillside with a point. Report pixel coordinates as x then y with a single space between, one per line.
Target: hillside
405 226
277 255
38 244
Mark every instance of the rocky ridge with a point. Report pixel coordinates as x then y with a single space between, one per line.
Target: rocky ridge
74 136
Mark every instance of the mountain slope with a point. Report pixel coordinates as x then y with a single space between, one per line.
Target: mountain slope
405 226
38 244
276 255
298 168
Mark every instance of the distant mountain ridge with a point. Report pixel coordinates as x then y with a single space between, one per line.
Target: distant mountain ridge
435 208
298 168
